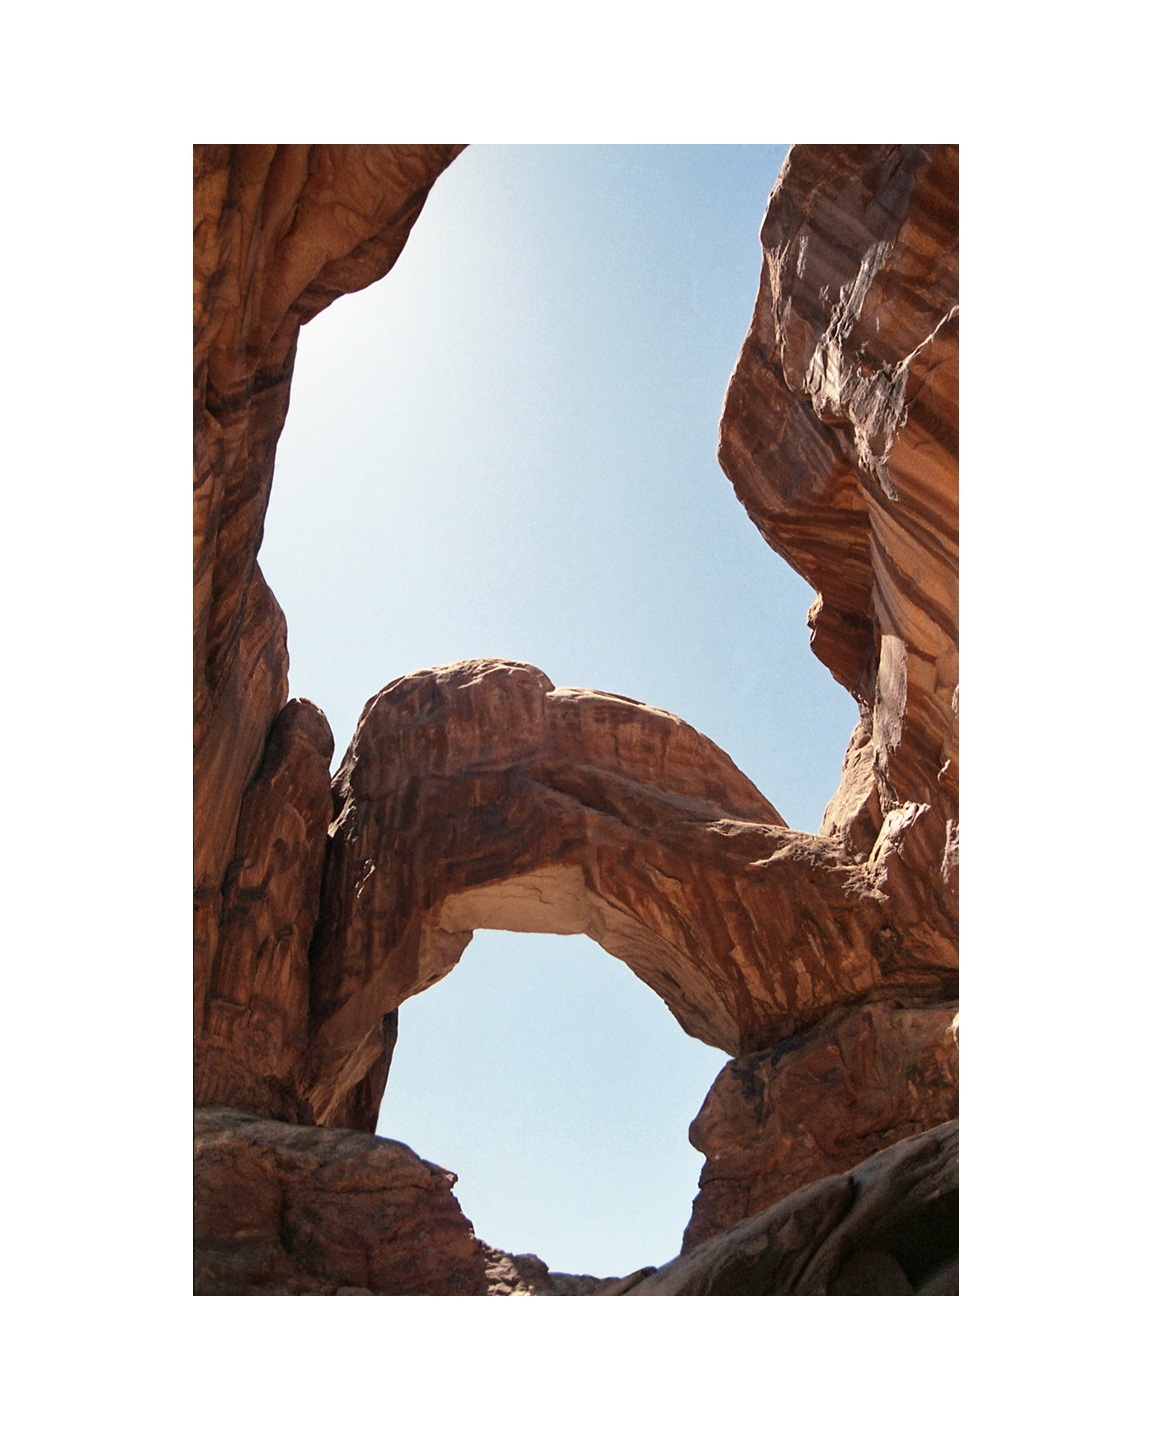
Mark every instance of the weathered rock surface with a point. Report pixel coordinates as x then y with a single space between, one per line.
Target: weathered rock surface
255 1011
478 796
818 1104
890 1226
311 1210
308 1210
280 231
840 433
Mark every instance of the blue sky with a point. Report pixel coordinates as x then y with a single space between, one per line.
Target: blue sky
507 448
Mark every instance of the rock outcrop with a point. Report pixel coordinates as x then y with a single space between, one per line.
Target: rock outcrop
890 1226
840 434
479 796
285 1209
280 231
819 1104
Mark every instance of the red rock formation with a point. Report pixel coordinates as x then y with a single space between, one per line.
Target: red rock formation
289 1209
307 1210
840 433
480 796
279 232
890 1226
477 796
818 1105
255 1019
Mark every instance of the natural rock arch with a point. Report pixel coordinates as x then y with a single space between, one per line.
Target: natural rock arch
748 931
478 796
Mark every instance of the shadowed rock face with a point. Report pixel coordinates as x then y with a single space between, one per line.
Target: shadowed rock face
818 1104
255 1019
890 1226
288 1209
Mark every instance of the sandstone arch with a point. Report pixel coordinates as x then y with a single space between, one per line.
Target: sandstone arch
479 796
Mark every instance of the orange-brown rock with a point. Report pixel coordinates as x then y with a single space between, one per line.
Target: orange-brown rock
840 434
478 796
279 232
307 1210
889 1226
290 1209
819 1104
255 1011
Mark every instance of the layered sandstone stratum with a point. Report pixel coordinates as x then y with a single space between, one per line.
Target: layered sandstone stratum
480 796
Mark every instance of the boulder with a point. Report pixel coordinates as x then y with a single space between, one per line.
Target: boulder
284 1209
255 1010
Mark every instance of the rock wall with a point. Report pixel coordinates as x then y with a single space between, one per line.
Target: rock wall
255 1019
840 434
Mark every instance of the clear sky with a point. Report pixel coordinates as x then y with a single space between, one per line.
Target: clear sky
507 447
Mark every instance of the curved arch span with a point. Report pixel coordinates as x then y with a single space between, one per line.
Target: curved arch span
478 796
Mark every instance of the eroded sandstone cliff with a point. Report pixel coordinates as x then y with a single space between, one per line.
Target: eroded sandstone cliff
479 796
840 433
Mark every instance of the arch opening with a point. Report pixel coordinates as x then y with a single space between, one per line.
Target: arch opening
573 1089
556 900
